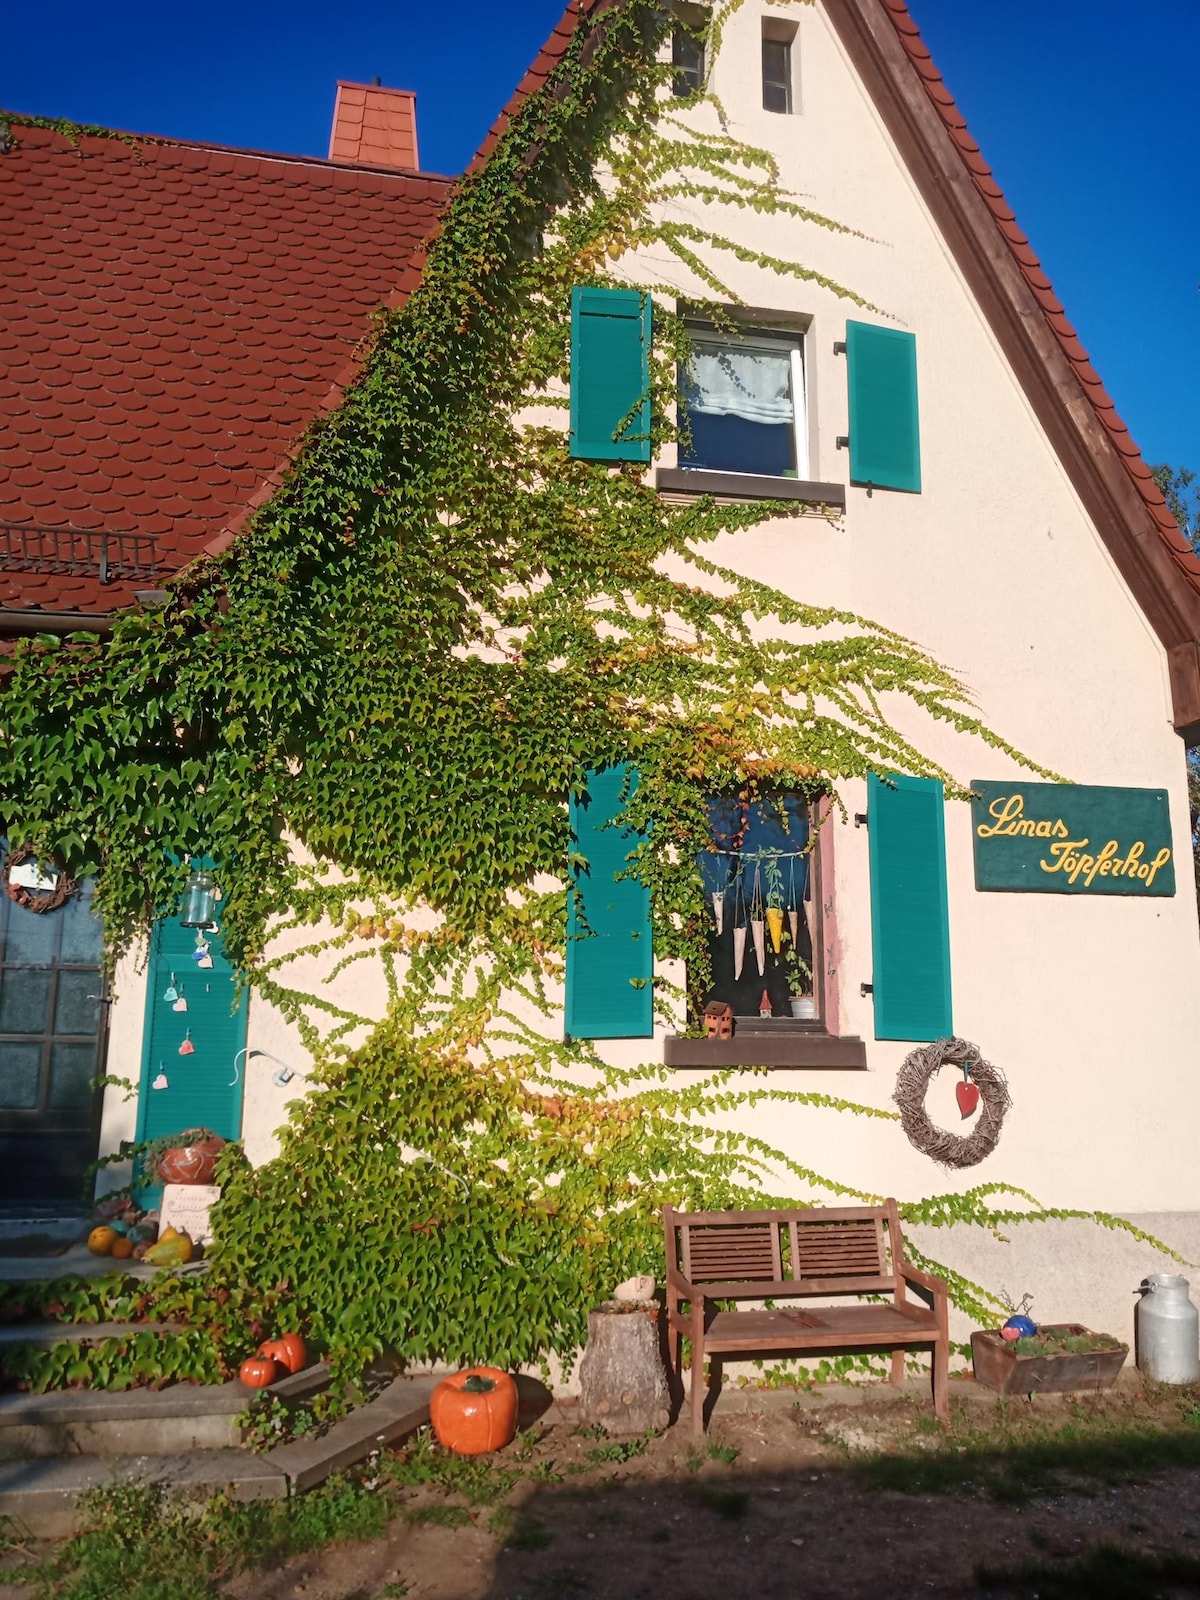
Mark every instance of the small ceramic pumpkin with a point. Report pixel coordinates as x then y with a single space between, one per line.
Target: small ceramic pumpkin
101 1241
288 1350
122 1248
256 1372
474 1411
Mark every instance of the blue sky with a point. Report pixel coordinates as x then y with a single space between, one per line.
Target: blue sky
1086 109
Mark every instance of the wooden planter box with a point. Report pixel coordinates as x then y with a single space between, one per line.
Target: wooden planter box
998 1366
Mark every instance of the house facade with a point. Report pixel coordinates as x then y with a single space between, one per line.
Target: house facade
952 470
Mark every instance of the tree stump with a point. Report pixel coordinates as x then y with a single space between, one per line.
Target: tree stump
623 1383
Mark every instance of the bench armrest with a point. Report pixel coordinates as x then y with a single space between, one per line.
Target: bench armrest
681 1286
912 1274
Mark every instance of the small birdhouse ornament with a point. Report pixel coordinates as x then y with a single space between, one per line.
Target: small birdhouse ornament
718 1020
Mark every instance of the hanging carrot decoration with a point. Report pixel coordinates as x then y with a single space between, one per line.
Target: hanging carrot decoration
758 926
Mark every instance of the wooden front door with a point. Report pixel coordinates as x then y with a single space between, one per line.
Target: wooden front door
53 1019
202 1087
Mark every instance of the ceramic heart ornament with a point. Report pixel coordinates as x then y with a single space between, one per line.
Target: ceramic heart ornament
967 1096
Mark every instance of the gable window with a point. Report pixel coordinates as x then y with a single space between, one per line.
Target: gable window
777 74
742 404
758 879
687 51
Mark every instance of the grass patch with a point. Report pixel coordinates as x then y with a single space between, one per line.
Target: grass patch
618 1450
1024 1454
135 1543
1109 1572
423 1463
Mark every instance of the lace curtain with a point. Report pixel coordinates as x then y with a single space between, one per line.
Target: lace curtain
756 385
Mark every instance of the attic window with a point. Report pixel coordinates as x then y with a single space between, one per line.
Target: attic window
687 50
777 75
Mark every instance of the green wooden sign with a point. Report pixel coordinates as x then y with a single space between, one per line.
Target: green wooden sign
1071 838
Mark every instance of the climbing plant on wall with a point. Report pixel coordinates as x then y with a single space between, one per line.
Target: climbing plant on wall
371 711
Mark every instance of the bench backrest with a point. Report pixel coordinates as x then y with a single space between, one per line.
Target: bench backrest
851 1246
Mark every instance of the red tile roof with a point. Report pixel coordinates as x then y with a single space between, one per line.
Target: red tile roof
171 319
374 126
1039 283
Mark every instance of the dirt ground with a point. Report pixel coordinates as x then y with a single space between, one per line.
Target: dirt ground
793 1498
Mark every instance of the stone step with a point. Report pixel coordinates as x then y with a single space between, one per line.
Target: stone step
40 1498
45 1334
400 1409
138 1422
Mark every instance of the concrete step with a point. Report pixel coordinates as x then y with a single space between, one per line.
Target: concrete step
40 1498
137 1422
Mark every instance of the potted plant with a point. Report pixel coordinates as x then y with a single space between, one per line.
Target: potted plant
1056 1359
187 1157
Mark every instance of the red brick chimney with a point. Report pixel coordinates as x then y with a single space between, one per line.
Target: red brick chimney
374 126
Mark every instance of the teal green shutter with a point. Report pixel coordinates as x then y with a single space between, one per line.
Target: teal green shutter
610 955
910 920
610 374
885 436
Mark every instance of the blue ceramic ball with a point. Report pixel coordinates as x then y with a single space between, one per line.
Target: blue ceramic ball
1025 1326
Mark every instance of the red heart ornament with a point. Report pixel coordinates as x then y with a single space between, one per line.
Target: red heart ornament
967 1096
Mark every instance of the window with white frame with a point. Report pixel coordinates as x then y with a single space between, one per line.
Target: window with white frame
742 403
777 75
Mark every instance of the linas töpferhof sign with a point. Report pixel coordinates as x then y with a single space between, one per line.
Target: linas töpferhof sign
1071 838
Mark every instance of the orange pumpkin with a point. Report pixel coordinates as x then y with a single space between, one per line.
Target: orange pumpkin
474 1411
256 1372
101 1241
122 1248
288 1350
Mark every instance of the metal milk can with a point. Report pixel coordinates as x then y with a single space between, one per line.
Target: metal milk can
1168 1329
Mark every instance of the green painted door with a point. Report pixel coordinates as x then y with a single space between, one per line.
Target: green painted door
201 1088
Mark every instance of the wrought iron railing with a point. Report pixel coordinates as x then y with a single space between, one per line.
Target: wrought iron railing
79 552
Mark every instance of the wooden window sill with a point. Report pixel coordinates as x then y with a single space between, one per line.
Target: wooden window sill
689 481
801 1045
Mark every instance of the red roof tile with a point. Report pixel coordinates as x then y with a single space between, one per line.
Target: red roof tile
172 318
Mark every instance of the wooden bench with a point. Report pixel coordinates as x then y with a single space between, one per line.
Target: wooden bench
776 1255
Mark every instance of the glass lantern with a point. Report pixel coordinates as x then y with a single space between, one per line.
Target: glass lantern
199 899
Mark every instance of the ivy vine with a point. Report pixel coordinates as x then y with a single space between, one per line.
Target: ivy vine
371 711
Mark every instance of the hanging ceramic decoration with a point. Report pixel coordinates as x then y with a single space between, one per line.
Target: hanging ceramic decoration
794 910
775 927
758 927
160 1079
204 960
739 950
187 1048
171 993
718 901
180 1002
200 954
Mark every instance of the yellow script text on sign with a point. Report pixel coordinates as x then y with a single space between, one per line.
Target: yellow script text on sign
1071 839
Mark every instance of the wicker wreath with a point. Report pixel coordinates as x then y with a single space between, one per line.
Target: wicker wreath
912 1085
35 899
